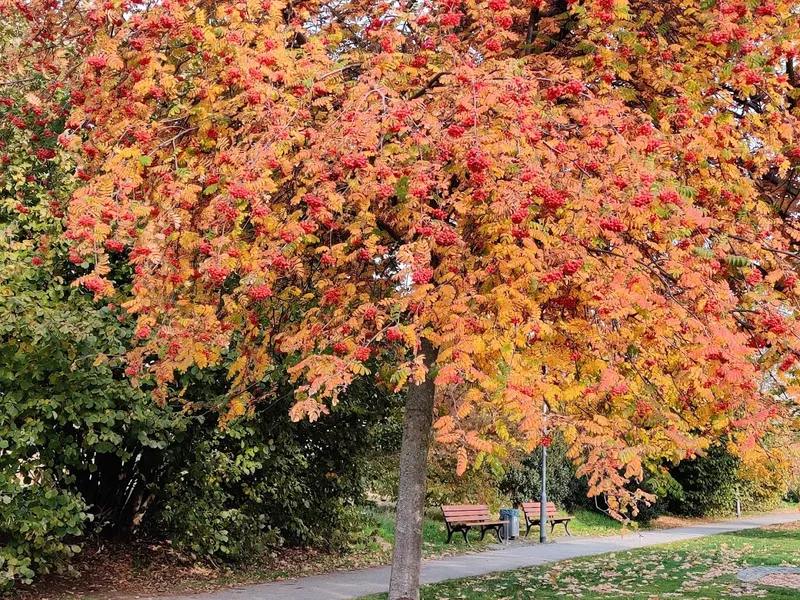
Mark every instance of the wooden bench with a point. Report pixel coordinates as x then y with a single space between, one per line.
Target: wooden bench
532 512
463 517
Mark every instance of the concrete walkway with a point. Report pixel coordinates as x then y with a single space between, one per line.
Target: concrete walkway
354 584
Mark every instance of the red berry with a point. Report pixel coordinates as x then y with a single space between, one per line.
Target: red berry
354 161
218 274
332 296
455 131
451 19
642 199
239 191
572 267
422 276
260 292
98 62
519 216
613 223
477 161
446 238
394 334
114 245
493 45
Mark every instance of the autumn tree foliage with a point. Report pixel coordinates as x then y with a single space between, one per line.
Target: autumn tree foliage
590 203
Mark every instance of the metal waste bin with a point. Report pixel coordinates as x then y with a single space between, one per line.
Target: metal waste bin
510 529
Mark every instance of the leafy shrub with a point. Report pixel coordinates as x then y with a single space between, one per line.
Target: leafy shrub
76 441
264 480
38 527
522 483
708 484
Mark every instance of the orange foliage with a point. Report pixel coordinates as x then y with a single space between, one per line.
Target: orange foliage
573 201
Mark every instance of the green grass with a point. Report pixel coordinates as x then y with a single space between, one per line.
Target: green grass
702 569
377 531
588 523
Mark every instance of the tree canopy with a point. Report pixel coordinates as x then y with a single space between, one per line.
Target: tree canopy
590 204
584 202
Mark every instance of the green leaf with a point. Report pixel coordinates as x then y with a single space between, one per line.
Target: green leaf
706 253
401 189
735 260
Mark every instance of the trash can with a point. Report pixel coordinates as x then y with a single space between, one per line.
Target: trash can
510 529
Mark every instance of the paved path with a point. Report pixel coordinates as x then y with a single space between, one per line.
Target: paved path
354 584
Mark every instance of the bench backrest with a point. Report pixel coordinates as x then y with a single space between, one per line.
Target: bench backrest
463 513
533 509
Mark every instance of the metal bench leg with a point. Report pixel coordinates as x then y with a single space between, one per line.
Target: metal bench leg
450 533
499 535
566 528
466 538
528 530
552 527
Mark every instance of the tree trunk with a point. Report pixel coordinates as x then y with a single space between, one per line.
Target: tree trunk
407 557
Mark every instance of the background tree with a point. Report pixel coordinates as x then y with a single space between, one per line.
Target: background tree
502 202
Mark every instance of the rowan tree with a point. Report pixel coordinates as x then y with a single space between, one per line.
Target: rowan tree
586 203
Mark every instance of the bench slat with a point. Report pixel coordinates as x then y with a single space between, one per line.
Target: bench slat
469 514
466 515
532 510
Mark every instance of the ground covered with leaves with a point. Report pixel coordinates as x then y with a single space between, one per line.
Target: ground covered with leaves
144 569
702 569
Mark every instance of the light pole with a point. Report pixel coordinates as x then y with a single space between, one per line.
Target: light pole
543 503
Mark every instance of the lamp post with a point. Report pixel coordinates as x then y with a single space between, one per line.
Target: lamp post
543 503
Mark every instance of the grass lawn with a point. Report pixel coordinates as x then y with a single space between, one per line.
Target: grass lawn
702 569
377 532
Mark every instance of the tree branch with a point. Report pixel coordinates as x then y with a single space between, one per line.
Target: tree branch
432 82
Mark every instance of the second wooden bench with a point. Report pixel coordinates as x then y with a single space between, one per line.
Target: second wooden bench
532 511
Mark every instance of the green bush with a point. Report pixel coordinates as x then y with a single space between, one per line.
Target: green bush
263 480
522 483
38 528
76 440
707 484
